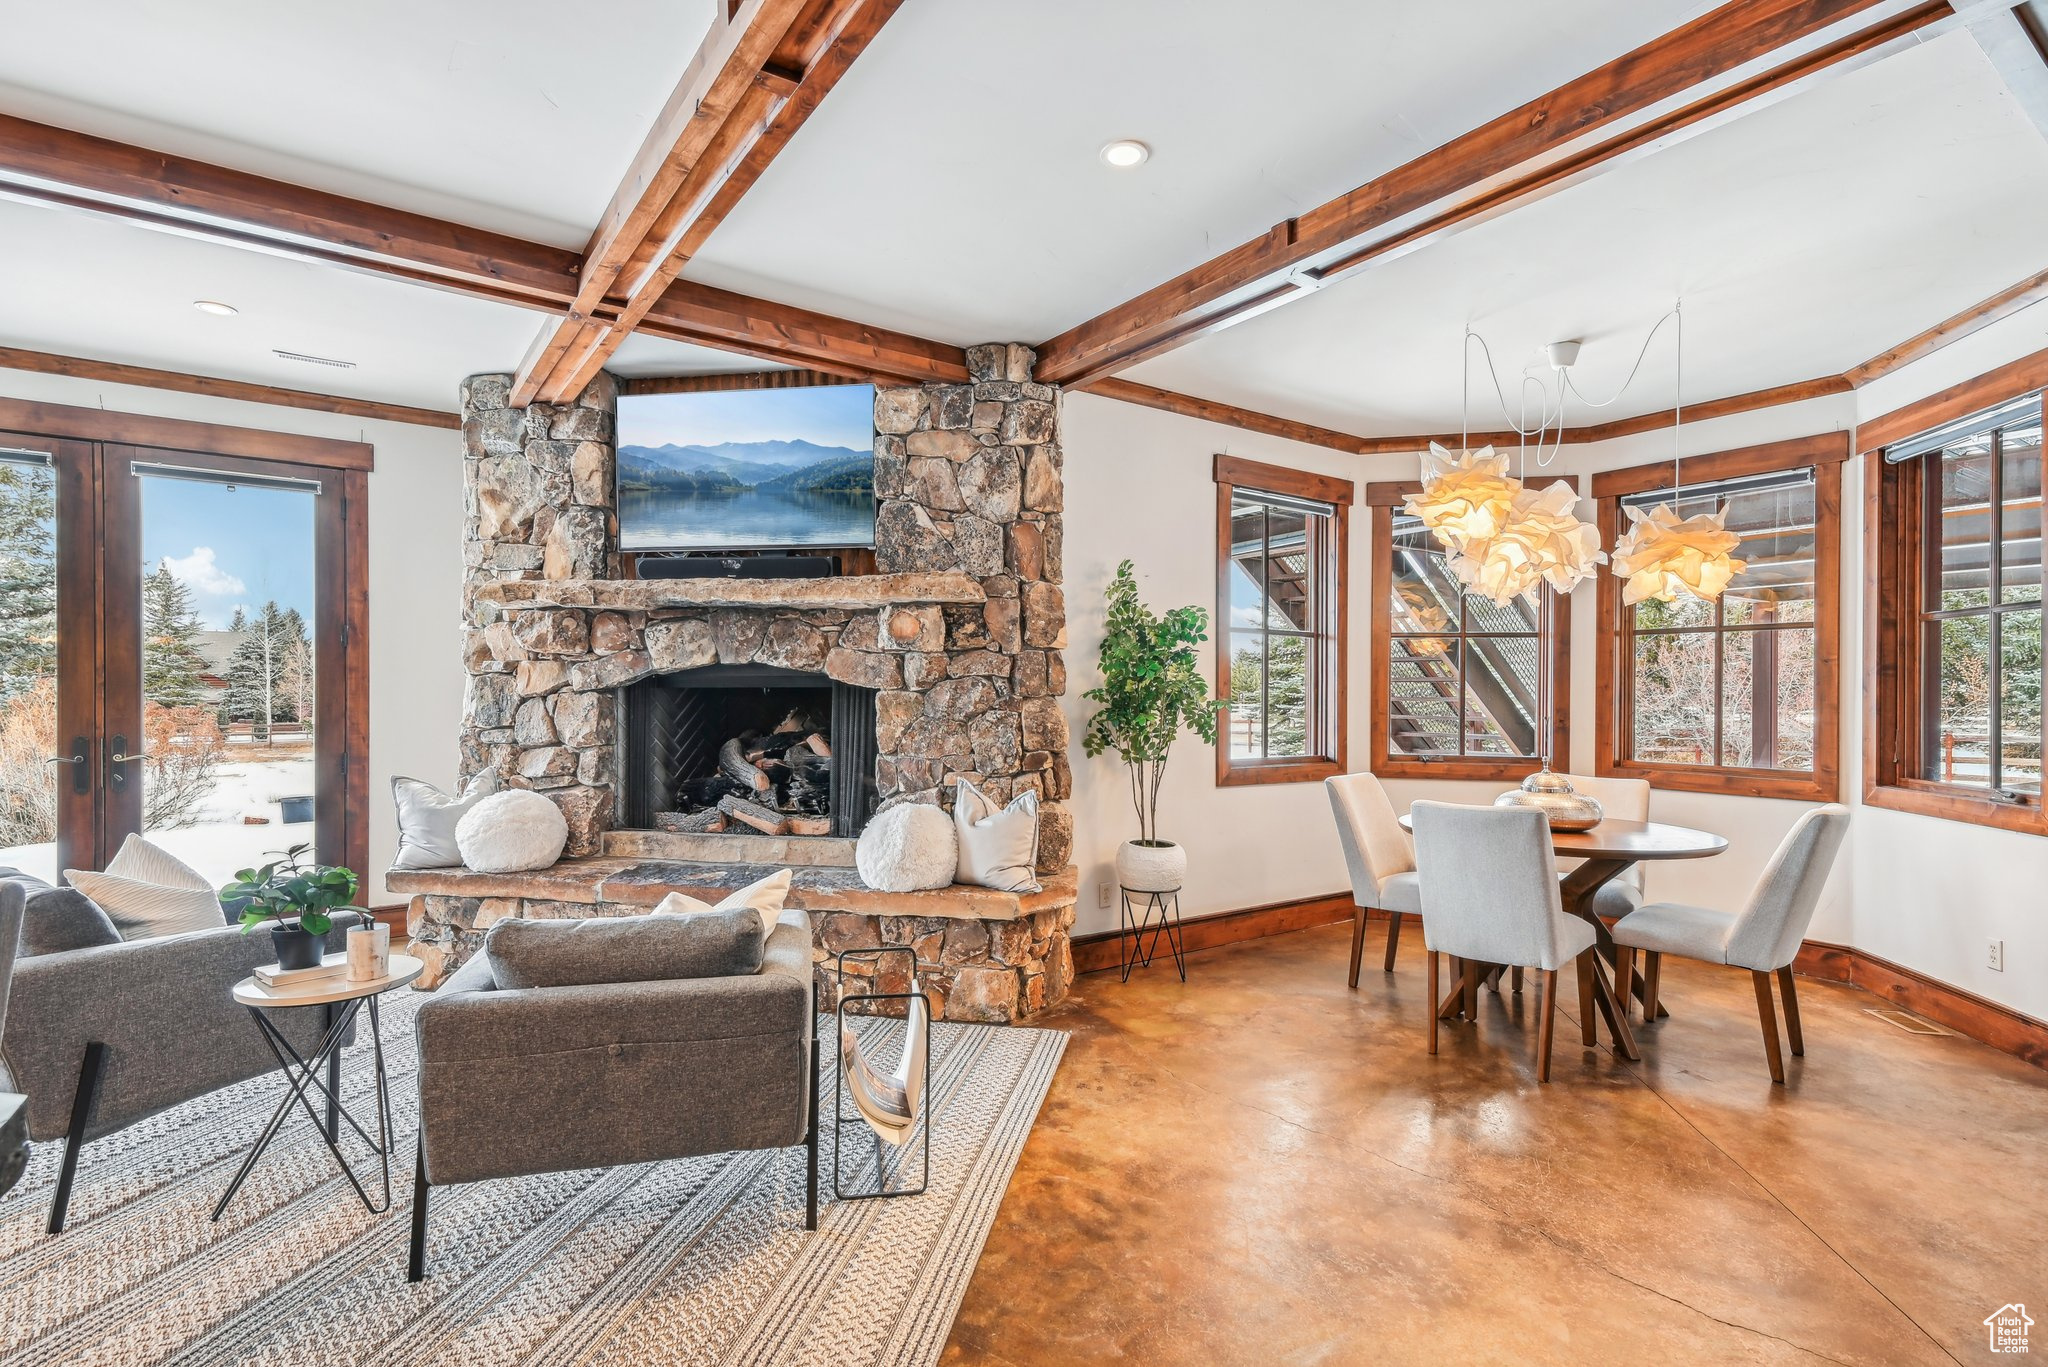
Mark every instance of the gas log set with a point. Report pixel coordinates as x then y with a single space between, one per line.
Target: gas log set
776 783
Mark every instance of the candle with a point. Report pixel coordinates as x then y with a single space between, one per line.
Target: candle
369 953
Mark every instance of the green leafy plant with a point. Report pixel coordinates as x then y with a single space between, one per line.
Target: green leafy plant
288 886
1152 688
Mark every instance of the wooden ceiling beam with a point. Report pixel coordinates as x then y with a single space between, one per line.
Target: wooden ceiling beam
1680 81
217 204
113 372
692 172
38 161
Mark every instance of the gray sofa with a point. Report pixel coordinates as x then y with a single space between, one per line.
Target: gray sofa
515 1082
100 1037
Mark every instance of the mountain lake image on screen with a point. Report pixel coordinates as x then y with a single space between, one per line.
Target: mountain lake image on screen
750 469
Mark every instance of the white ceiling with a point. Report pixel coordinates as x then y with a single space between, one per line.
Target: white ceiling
950 187
1803 238
515 115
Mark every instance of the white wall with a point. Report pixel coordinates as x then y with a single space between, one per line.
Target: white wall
416 678
1926 893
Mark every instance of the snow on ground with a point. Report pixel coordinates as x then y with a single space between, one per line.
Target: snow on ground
219 844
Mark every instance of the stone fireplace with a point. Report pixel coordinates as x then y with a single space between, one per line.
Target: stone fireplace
948 660
808 738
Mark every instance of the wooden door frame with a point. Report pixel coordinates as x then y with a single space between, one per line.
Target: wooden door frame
76 471
341 557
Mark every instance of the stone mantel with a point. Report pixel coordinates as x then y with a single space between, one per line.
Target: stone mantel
983 954
632 884
851 593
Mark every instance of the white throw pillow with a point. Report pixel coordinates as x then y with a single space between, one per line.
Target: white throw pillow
427 818
998 845
147 892
765 896
907 848
512 832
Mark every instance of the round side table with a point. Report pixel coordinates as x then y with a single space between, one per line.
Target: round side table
1157 911
341 1000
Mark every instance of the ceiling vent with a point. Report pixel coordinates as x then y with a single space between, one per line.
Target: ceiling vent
312 360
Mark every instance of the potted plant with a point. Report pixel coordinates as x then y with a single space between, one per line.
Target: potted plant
298 896
1152 687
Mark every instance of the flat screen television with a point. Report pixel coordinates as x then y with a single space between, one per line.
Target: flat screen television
749 469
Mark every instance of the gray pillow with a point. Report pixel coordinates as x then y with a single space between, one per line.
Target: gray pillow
57 920
427 818
625 949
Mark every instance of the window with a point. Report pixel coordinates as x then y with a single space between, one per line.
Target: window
1956 725
1457 678
1280 596
1738 695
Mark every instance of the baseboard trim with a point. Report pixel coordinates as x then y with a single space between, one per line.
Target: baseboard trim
1966 1013
1094 953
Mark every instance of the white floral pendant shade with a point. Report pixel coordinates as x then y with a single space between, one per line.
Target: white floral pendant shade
1542 542
1662 555
1465 498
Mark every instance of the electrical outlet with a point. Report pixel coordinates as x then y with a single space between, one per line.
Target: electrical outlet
1102 894
1995 959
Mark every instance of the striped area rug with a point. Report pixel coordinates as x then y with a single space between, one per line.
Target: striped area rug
696 1261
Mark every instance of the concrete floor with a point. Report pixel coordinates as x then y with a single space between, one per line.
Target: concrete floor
1264 1167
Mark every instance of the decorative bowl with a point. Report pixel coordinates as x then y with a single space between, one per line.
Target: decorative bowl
1566 807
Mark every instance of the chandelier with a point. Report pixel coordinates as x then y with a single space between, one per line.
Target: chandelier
1662 555
1542 542
1465 498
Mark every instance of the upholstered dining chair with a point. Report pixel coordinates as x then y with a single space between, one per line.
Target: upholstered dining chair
1379 855
1623 799
1763 937
1490 896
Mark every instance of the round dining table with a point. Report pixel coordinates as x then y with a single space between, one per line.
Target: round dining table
1606 851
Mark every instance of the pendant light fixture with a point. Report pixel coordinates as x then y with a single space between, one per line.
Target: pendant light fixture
1663 555
1465 498
1543 542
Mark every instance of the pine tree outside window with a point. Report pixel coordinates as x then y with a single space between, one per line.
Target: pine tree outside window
1280 607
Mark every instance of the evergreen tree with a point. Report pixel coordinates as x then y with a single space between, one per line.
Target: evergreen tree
256 672
28 578
171 661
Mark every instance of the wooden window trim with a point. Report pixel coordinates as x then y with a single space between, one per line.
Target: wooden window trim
1383 497
1232 473
1893 559
1827 454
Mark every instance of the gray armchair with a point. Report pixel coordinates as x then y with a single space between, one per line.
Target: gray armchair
100 1037
549 1079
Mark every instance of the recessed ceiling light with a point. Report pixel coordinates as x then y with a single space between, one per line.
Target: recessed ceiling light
1125 153
215 307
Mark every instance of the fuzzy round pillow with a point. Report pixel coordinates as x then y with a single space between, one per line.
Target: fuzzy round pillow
908 848
511 832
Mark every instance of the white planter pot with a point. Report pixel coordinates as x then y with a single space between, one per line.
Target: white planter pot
1151 868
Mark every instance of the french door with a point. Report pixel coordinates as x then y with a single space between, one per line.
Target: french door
177 655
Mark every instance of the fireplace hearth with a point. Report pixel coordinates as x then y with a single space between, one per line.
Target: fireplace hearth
748 747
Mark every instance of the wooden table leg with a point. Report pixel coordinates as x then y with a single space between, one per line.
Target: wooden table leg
1611 1010
1577 891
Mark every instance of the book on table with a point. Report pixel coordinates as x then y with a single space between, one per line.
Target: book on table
333 966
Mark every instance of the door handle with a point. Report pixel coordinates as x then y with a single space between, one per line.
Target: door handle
116 759
81 777
117 777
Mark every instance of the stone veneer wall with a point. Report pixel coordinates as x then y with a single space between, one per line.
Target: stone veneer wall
967 481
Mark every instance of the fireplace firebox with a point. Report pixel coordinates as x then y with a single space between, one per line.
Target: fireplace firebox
747 747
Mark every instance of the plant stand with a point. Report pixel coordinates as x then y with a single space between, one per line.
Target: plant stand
1158 912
